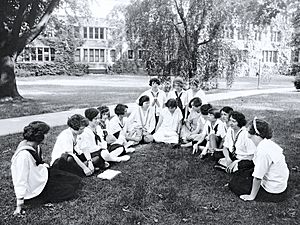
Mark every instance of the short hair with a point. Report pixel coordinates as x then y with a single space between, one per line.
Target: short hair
215 112
103 109
196 102
227 109
120 109
204 108
239 117
171 103
167 86
195 82
142 99
263 128
35 131
91 113
178 81
76 121
154 80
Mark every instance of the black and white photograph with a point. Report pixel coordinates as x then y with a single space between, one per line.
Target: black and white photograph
145 112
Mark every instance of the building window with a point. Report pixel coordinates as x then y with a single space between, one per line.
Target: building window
96 33
275 36
77 55
26 55
85 35
140 52
101 33
270 56
130 54
91 33
241 34
113 55
257 35
33 54
91 59
97 55
52 54
229 32
46 54
40 54
101 55
85 55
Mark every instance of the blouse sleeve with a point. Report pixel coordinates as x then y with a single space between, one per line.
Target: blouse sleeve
262 164
20 174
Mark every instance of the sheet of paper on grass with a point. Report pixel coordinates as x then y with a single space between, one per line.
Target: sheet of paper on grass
108 174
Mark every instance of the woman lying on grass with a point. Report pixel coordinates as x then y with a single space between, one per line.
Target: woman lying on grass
34 181
270 175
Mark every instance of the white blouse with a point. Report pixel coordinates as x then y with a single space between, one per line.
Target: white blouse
29 179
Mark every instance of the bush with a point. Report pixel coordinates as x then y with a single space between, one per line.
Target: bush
297 82
52 69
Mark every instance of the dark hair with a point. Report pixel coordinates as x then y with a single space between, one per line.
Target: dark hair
36 131
103 109
227 109
195 82
91 113
120 109
144 98
171 103
76 121
239 117
262 126
215 112
154 80
195 102
204 108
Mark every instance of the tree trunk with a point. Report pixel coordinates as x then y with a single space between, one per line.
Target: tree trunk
8 87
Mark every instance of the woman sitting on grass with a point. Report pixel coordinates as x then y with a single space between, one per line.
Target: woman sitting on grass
238 148
191 123
212 134
34 181
142 120
94 146
270 174
117 130
169 124
66 154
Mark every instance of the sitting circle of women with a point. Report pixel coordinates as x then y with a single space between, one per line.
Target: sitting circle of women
180 118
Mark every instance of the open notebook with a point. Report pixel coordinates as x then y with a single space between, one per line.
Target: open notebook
108 174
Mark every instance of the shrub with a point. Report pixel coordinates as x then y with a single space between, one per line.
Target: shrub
297 82
52 69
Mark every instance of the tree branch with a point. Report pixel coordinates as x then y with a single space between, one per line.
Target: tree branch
19 19
35 31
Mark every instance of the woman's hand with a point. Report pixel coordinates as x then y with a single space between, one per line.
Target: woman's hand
247 197
18 211
195 148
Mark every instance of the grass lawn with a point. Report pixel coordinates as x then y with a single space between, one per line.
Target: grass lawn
53 94
160 185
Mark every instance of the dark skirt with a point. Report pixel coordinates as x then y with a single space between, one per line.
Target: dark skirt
241 184
67 163
60 186
112 147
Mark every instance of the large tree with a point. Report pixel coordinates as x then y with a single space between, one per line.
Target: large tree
22 21
189 29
